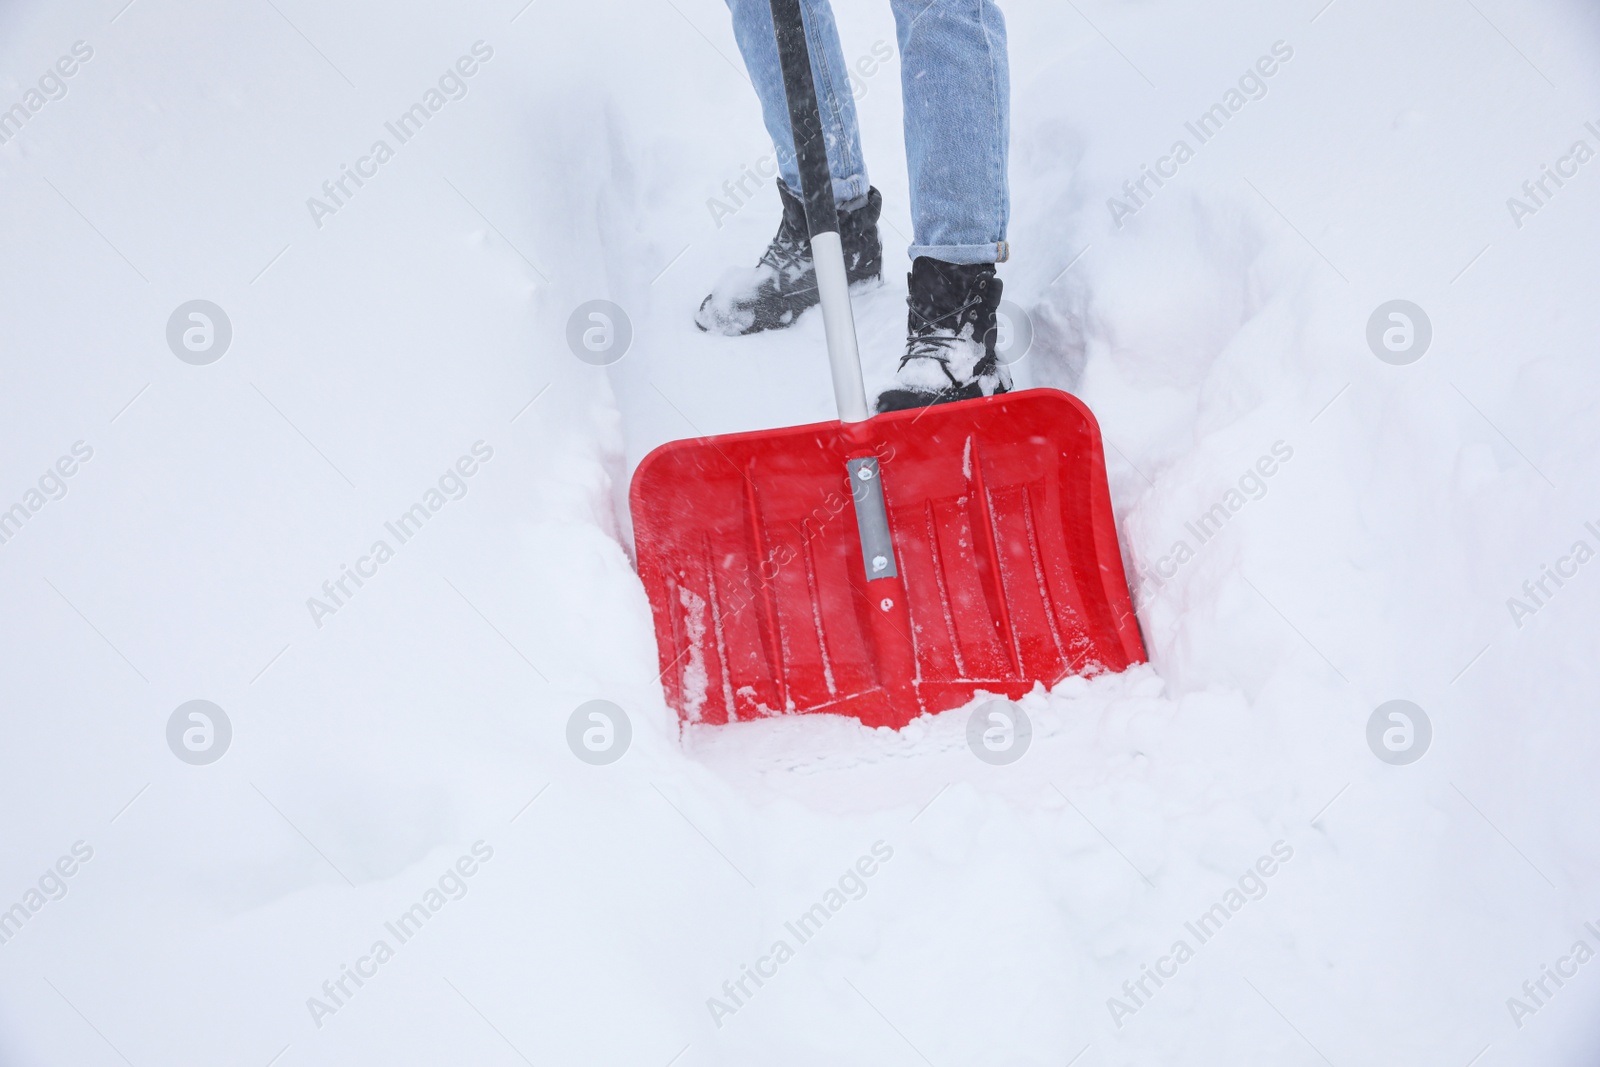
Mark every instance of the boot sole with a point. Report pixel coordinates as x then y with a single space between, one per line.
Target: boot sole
906 399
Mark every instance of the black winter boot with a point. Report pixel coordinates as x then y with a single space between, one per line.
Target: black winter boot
950 337
774 293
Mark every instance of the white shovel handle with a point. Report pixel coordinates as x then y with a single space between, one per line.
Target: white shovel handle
822 216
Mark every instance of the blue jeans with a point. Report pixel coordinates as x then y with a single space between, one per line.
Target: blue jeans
956 86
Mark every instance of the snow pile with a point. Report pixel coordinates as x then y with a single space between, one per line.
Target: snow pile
1200 861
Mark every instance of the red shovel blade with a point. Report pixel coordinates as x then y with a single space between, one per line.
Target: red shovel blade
1004 571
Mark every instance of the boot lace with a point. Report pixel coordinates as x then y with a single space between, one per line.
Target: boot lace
933 338
789 254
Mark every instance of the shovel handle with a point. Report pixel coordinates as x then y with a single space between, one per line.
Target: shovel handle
822 215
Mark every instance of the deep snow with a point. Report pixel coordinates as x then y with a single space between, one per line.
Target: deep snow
1226 316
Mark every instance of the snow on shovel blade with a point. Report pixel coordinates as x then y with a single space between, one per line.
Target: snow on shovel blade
776 589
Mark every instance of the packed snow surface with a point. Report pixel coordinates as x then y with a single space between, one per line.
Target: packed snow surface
399 858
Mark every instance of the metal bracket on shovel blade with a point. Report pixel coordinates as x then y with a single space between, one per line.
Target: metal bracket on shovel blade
872 518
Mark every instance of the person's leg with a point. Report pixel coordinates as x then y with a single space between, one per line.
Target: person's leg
957 88
956 84
752 27
783 285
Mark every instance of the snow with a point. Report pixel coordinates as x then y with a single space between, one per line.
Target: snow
421 727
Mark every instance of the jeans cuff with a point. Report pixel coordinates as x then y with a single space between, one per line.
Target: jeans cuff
965 255
848 193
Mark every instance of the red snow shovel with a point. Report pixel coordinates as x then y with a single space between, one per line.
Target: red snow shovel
879 567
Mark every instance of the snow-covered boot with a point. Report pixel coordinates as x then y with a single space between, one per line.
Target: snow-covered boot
950 353
774 293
